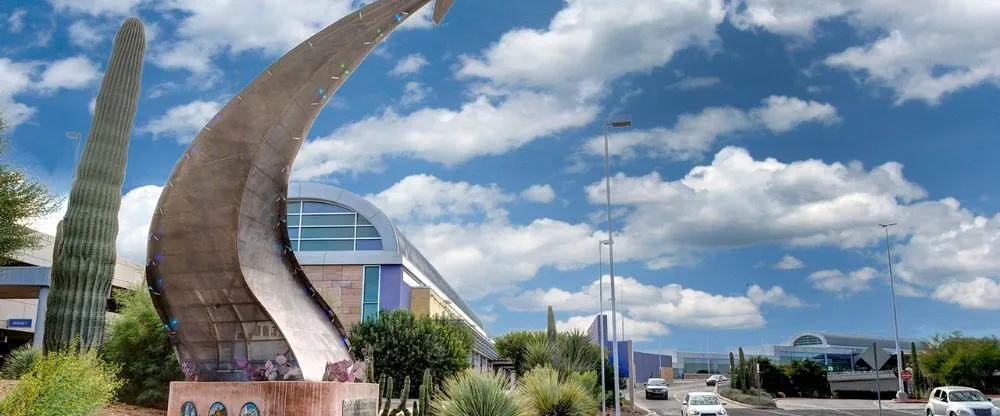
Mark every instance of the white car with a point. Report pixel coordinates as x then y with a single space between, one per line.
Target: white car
960 401
702 404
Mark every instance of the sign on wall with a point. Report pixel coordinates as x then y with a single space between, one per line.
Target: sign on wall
18 323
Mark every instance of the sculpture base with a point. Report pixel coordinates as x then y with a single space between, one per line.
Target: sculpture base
305 398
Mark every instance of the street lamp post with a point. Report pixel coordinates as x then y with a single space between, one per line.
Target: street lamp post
611 253
901 393
72 135
602 322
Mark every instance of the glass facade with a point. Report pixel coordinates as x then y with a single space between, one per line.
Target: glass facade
808 340
323 226
369 295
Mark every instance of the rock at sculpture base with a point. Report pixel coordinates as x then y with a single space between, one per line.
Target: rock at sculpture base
301 398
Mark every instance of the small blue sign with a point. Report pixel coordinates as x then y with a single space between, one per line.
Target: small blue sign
18 323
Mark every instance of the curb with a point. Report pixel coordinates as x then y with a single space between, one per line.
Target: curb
643 408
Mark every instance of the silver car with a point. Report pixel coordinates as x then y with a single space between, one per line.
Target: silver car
960 401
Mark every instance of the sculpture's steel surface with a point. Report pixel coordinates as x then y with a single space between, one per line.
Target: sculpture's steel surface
84 255
219 265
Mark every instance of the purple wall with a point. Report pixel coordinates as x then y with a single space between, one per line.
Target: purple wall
647 365
393 292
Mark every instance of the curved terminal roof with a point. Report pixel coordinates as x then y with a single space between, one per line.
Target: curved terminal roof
830 339
399 245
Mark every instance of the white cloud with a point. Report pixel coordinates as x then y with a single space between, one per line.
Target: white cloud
70 73
789 262
635 330
15 21
422 198
981 293
539 193
134 217
414 93
97 7
480 127
692 83
50 223
924 51
694 134
773 296
410 64
843 284
15 78
84 34
669 305
183 122
908 290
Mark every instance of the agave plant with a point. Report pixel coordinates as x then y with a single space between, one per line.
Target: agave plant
475 393
543 392
18 362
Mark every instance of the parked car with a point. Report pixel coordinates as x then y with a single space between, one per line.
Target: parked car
656 388
702 404
960 401
715 379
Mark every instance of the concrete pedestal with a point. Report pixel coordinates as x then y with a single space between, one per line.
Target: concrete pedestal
303 398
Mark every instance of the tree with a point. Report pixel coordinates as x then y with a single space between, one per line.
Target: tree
964 361
773 379
809 379
404 344
514 345
136 341
22 198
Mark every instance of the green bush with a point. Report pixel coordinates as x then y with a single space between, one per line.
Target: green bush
543 393
809 379
958 360
137 342
18 362
757 399
63 383
773 379
514 346
405 345
475 393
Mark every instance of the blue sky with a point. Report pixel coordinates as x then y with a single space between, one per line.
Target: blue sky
770 138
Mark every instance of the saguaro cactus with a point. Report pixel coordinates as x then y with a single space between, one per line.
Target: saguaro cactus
551 327
84 255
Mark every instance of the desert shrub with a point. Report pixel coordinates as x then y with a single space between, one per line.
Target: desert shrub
137 342
475 393
17 362
514 346
757 399
63 383
543 393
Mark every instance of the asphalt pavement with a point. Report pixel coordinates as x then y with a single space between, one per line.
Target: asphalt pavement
786 407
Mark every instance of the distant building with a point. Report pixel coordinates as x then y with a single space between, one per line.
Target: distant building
26 281
361 263
643 365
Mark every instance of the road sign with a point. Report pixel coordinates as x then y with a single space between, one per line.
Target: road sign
18 323
906 375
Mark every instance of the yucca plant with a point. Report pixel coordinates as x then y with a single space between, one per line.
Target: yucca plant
543 393
18 362
475 393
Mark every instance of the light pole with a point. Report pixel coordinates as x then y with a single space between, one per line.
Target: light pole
602 323
72 135
901 393
624 122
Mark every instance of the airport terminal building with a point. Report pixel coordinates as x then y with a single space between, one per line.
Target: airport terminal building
360 263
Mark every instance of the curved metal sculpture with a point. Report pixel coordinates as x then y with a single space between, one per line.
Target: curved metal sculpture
219 263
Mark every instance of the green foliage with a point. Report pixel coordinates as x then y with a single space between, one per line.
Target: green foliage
918 377
740 379
773 379
757 399
22 198
405 345
18 362
575 353
384 408
137 342
514 346
958 360
732 365
551 332
63 383
809 379
543 393
83 257
425 393
474 393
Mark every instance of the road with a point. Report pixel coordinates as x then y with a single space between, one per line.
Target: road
786 407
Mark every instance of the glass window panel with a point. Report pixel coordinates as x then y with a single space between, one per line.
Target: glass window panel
370 293
293 207
339 219
293 220
363 220
326 245
293 232
365 245
329 232
309 207
367 232
370 310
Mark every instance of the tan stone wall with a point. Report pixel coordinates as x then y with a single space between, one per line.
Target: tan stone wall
340 287
423 301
